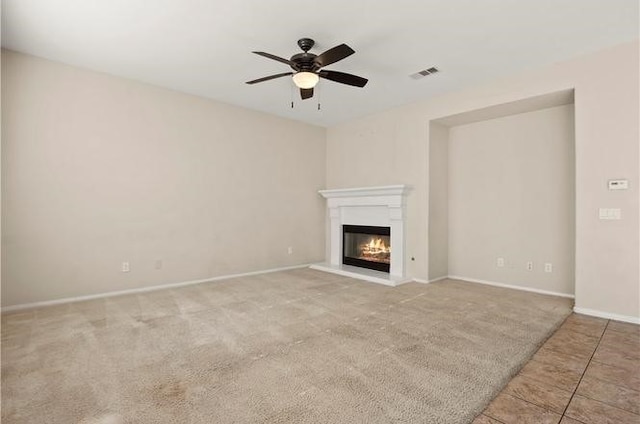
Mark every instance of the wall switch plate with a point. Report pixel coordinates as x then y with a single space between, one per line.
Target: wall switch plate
500 262
529 266
290 250
548 267
158 264
125 267
610 213
618 184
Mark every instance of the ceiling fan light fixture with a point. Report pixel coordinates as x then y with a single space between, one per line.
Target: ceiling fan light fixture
307 68
305 79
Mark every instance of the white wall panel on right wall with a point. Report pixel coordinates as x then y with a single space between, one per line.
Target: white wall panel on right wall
512 196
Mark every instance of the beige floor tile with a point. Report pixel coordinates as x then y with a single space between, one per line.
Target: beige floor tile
587 319
568 335
624 327
607 352
572 343
567 420
625 343
613 356
628 336
483 419
613 374
552 357
557 376
585 325
611 394
511 410
593 412
538 393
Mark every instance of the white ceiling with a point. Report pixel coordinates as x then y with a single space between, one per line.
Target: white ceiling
203 47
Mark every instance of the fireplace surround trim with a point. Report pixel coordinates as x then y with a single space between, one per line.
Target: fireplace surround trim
383 206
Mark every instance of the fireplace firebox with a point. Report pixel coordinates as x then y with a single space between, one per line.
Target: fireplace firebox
367 247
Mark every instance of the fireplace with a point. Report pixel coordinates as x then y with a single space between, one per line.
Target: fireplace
366 234
367 247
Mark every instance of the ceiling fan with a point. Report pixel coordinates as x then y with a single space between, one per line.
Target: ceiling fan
307 67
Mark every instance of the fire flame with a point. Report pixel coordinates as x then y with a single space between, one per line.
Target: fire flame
375 247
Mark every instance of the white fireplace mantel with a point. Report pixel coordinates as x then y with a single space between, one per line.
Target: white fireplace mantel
382 206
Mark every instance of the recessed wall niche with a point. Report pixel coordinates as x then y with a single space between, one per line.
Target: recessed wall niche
502 194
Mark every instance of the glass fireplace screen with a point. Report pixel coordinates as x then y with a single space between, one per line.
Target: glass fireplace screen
367 247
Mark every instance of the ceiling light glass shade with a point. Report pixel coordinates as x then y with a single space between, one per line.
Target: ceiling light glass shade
305 79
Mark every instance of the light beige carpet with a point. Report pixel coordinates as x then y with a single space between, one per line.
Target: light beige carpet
300 346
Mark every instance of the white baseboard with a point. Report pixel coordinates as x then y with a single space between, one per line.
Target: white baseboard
607 315
24 306
433 280
509 286
423 281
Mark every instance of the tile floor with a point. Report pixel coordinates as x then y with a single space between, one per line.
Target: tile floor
587 372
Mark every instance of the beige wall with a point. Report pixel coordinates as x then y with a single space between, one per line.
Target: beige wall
384 150
97 170
607 133
438 201
511 195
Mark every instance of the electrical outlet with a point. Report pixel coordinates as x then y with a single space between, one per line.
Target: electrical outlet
290 250
548 267
125 267
500 262
529 266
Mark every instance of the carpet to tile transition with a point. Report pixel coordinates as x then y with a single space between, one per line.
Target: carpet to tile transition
299 346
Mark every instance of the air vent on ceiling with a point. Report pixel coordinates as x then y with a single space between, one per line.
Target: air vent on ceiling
424 73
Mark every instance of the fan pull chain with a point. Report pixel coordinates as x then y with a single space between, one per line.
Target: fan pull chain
291 96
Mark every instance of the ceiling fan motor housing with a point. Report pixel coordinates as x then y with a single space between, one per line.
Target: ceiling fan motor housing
304 62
